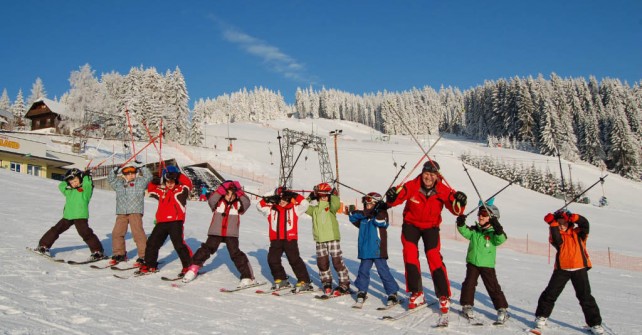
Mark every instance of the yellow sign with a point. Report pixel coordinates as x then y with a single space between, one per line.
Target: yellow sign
9 144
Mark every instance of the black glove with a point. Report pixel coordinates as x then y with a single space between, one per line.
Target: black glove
289 194
273 199
391 194
461 220
460 198
380 206
87 173
351 208
313 196
116 169
496 225
156 180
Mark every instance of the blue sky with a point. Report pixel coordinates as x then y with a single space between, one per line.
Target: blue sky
354 46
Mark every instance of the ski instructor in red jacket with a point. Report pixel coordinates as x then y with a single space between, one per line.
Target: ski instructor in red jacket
425 198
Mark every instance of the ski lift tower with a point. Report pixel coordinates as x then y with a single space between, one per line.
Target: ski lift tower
292 138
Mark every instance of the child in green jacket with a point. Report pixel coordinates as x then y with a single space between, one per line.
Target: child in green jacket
325 228
77 187
484 238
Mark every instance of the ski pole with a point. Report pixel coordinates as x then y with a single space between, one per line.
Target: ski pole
129 124
421 159
601 180
398 173
492 196
419 144
139 151
476 190
344 185
102 162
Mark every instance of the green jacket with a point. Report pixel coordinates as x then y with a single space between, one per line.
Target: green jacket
482 246
325 226
77 203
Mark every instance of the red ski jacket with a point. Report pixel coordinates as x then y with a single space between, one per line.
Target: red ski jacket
284 220
171 202
424 210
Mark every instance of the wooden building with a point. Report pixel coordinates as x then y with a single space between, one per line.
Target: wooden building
45 113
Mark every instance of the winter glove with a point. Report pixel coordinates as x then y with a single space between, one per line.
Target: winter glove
461 220
351 208
380 206
391 194
273 199
87 173
549 218
460 198
313 196
381 216
496 225
116 169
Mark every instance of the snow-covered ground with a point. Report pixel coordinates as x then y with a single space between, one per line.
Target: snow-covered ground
42 297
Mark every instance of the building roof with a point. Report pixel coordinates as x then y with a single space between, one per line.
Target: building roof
54 106
6 114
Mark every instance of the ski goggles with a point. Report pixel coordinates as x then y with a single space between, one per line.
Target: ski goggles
483 212
371 199
129 170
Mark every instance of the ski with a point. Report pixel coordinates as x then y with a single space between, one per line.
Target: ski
87 261
388 306
359 303
171 279
536 331
330 296
51 258
235 289
135 274
442 322
97 267
116 268
407 312
473 321
283 293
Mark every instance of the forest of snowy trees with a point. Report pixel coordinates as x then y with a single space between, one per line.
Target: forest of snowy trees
596 122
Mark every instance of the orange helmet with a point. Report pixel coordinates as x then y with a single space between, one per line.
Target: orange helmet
323 188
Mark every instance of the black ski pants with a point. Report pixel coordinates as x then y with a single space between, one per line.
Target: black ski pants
291 249
489 277
580 281
238 257
157 238
82 226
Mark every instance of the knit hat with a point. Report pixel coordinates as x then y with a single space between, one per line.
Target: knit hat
430 166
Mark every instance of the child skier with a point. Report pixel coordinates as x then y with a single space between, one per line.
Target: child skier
172 197
571 263
484 238
282 210
325 229
372 222
228 203
130 204
77 187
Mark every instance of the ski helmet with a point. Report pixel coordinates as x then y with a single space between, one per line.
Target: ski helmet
323 189
371 198
171 173
73 173
482 211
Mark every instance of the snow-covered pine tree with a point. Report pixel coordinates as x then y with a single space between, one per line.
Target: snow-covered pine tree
18 109
37 92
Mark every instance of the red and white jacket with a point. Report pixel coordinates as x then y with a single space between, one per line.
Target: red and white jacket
283 221
171 202
424 210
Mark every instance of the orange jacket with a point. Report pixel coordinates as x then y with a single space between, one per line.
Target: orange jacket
571 244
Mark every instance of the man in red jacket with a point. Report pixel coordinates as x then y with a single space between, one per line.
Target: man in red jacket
170 216
425 197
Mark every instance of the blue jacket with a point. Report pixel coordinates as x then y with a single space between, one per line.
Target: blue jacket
373 238
130 196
